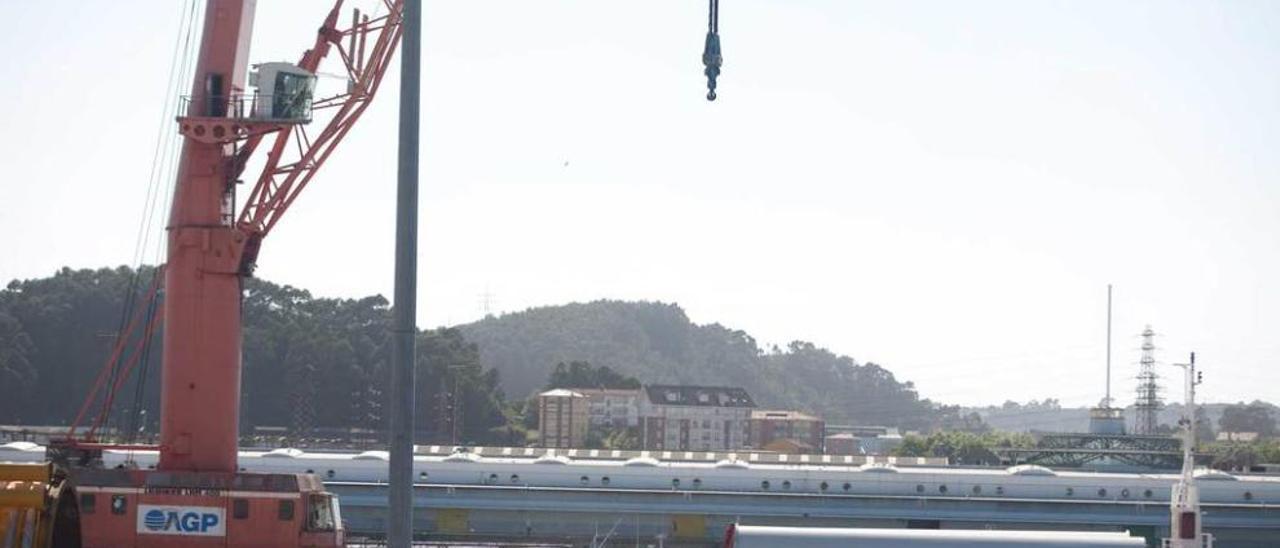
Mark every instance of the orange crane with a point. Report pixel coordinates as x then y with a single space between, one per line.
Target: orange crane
197 495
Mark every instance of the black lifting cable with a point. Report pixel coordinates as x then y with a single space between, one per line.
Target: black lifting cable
139 395
711 52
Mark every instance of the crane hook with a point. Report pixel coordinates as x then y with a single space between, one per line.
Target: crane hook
711 57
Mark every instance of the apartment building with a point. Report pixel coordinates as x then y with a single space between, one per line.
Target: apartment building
562 418
695 418
612 407
768 427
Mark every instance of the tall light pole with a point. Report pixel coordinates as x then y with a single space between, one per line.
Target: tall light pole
404 328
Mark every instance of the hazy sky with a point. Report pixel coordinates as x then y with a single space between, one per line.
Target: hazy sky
944 188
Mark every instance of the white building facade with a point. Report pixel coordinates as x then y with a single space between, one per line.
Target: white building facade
695 418
612 407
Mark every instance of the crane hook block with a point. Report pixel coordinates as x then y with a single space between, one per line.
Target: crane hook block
712 59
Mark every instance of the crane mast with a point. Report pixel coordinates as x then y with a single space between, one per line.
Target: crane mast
200 394
211 248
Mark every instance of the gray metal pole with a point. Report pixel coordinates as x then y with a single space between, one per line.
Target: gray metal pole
1108 400
400 521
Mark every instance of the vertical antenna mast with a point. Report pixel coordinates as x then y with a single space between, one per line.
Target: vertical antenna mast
1105 419
1107 402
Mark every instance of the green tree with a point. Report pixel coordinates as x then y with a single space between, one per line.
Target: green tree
17 374
622 438
962 447
458 394
1254 417
1203 426
912 446
580 374
65 324
1234 455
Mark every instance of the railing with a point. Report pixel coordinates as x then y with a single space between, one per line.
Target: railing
294 108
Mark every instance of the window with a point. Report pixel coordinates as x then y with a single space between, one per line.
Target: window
977 489
88 501
319 513
240 508
942 488
119 504
847 486
823 486
291 99
764 485
1102 492
285 511
919 488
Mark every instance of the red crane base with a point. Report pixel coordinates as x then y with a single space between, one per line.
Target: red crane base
151 508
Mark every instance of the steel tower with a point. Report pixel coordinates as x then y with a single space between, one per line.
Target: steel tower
1149 402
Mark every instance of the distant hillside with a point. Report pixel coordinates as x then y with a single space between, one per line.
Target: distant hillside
321 362
307 362
656 343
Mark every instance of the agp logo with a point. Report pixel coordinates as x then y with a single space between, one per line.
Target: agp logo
180 520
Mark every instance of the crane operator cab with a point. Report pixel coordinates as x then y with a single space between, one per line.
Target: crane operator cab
284 92
282 96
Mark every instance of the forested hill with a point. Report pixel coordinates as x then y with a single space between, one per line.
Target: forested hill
307 362
657 343
320 362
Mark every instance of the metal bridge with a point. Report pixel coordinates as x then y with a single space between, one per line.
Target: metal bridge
1111 451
